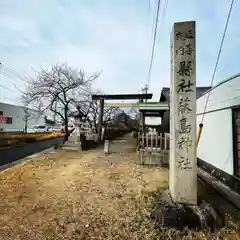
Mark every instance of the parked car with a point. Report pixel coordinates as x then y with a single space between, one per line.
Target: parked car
39 129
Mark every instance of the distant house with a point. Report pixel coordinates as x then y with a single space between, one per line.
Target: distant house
165 97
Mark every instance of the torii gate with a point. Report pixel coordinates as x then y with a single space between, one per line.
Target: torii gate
155 109
104 97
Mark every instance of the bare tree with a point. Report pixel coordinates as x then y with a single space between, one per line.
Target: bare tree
92 110
110 114
29 114
26 118
62 86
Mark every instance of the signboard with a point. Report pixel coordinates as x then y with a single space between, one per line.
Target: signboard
3 119
121 105
151 106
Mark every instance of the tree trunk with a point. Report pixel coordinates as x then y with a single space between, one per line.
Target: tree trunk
95 124
26 126
105 129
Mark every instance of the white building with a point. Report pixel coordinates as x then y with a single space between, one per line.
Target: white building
220 139
13 117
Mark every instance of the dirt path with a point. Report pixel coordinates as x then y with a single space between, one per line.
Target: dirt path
69 195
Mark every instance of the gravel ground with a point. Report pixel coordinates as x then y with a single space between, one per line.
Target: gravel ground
71 195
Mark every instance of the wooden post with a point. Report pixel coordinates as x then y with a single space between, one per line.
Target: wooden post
183 162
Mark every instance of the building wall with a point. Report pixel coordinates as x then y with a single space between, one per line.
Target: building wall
166 122
17 113
216 143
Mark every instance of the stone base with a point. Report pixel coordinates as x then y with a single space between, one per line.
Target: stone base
173 215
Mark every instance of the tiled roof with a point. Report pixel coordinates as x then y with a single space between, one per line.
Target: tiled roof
165 93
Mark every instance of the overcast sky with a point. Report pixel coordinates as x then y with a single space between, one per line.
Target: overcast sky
114 36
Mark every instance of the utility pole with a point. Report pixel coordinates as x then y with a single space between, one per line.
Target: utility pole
144 90
25 119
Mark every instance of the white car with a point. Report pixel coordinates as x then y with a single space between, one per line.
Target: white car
39 129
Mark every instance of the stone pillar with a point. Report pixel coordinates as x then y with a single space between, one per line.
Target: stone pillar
77 135
106 146
183 162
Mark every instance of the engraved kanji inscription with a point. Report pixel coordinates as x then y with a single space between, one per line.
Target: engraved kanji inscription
184 105
185 68
185 127
184 163
184 35
184 86
184 142
186 50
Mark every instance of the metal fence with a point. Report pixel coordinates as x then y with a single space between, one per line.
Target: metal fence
153 148
154 141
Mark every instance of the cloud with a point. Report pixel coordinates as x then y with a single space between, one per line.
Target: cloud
113 36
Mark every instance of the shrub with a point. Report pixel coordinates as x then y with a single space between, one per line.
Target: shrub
9 139
51 136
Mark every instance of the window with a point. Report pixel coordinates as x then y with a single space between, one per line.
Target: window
9 120
1 113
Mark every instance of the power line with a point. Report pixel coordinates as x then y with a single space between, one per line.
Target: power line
154 42
14 84
218 56
149 7
14 72
153 19
17 74
8 75
11 90
163 18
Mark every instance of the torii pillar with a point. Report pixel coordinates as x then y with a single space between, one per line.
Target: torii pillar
101 113
183 161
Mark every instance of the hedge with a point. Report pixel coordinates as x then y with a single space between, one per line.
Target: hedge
18 139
